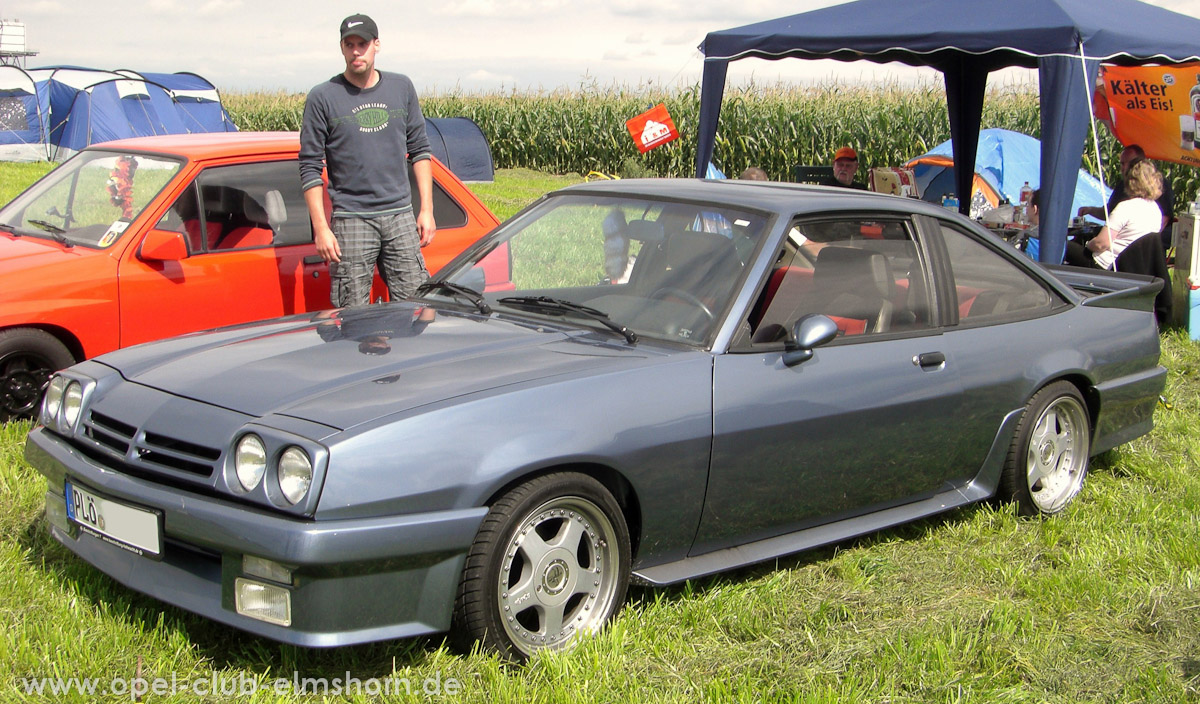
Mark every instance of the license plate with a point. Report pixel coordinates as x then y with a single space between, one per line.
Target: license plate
134 529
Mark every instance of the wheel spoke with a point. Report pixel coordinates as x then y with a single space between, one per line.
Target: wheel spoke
571 534
523 592
552 619
533 547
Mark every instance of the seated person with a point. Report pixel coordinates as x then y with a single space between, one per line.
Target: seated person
845 166
1165 199
1130 219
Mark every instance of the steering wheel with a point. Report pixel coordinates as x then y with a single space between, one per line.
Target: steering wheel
669 291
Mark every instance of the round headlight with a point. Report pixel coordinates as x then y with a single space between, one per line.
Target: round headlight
72 402
52 401
295 474
250 461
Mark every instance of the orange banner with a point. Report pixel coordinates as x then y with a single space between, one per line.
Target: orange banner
1156 107
652 128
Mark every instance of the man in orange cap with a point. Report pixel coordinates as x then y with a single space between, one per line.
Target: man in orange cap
845 166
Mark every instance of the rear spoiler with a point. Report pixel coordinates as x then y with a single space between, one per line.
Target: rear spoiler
1110 289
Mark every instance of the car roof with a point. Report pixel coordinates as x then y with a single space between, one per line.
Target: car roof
762 195
208 145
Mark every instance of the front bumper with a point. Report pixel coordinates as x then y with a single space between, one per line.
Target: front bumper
353 581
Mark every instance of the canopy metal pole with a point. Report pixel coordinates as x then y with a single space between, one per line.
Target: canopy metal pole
1091 89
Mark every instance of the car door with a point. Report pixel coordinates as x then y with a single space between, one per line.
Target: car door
250 256
867 422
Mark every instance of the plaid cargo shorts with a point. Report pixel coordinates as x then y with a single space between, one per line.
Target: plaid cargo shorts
392 242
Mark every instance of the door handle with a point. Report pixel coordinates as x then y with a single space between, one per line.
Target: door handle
930 360
314 259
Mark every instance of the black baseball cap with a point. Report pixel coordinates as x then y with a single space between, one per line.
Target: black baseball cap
359 25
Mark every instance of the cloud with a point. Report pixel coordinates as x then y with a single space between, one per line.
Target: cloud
219 8
502 8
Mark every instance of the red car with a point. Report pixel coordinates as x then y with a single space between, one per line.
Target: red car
140 239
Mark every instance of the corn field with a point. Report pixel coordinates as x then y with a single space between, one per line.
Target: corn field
773 127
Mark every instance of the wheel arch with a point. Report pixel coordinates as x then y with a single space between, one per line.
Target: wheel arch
1086 389
612 480
63 335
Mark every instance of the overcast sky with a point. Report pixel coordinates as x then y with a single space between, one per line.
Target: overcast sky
443 45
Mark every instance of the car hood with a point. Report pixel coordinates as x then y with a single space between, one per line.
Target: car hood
23 253
364 364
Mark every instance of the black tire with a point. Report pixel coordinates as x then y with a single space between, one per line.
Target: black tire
522 589
28 356
1048 458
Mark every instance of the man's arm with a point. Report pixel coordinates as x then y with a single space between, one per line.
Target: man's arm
314 130
327 245
426 227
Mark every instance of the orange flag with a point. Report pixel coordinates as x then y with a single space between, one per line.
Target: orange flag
652 128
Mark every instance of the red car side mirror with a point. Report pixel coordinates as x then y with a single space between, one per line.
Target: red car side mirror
163 246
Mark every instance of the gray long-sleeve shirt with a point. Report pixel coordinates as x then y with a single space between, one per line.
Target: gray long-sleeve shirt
365 138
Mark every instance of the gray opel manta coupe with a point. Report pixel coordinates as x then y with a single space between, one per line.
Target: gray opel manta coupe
668 379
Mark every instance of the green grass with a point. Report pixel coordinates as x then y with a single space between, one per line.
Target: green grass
1101 604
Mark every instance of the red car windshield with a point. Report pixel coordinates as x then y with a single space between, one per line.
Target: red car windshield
89 200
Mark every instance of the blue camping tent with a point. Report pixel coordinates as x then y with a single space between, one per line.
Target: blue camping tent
24 116
458 143
77 106
966 40
1004 161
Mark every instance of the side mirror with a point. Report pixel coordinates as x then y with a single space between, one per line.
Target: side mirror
163 246
809 332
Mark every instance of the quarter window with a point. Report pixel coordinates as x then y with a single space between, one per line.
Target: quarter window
989 287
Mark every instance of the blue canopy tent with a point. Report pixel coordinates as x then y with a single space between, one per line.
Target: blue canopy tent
1064 39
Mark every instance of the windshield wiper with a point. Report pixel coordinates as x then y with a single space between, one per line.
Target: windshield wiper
558 305
466 292
10 230
57 232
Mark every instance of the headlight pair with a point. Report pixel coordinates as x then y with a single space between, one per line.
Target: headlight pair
293 467
62 403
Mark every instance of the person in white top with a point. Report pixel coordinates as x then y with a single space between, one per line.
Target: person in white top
1129 220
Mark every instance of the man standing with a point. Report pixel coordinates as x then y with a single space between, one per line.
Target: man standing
364 126
845 166
1166 201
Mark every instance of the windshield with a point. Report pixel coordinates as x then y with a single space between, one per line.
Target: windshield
653 268
89 200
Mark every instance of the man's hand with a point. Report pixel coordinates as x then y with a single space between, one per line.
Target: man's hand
426 227
327 244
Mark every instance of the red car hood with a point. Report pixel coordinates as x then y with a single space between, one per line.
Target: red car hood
23 253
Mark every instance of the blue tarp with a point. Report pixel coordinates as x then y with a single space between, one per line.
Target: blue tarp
74 107
1006 160
966 40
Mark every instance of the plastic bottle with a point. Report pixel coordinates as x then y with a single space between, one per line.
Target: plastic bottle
1022 214
1194 99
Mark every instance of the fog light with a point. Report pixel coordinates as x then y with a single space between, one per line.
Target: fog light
267 569
265 602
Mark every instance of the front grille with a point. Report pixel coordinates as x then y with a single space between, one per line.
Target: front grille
123 449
